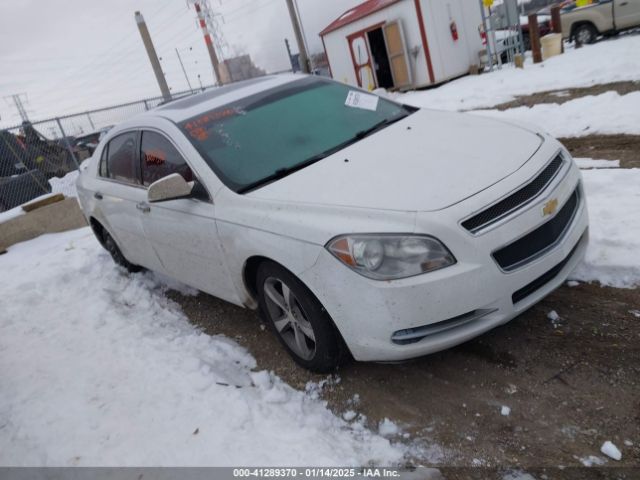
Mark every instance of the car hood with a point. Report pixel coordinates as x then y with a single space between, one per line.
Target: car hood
429 161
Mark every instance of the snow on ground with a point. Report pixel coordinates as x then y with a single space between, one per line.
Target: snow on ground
517 475
11 214
608 113
611 451
613 256
607 61
587 163
592 460
99 368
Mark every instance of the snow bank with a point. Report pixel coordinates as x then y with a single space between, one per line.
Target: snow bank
605 62
587 163
608 113
100 368
66 184
613 256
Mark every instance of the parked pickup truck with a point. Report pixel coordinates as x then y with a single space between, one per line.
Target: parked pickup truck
602 17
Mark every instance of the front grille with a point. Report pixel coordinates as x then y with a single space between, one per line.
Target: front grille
540 240
515 200
541 281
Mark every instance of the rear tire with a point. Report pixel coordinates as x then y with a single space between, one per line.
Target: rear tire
110 246
302 325
585 33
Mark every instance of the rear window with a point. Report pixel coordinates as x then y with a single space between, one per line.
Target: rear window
275 130
122 162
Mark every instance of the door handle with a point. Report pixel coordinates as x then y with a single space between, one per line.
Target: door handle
143 207
624 4
98 196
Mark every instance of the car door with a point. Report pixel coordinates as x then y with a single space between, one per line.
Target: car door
120 196
627 13
183 232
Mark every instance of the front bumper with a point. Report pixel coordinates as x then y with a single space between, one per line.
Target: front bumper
384 321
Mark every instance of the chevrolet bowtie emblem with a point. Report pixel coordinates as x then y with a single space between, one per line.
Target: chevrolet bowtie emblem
550 207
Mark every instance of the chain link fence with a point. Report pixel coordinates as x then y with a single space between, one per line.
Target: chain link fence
40 158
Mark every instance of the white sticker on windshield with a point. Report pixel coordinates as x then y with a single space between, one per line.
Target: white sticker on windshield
365 101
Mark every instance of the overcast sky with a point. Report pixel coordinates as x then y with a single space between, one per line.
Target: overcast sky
72 55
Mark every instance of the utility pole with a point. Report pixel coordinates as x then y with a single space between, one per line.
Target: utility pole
304 57
17 101
183 70
153 57
207 39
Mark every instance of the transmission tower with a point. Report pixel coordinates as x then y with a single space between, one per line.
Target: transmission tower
214 23
17 101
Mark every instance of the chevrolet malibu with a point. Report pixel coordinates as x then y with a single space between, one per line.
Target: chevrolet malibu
358 226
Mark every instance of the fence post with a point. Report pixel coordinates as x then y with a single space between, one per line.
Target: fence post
556 22
93 127
66 141
534 36
146 105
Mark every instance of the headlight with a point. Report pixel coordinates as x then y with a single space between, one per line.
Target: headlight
389 257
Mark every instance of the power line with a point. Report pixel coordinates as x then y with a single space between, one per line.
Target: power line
112 54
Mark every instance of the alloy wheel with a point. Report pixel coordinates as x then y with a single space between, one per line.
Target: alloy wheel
289 318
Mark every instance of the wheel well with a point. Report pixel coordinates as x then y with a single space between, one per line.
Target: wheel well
249 275
98 229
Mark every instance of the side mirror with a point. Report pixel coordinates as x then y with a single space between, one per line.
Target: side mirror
171 187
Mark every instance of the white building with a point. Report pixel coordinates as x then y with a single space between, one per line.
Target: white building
403 44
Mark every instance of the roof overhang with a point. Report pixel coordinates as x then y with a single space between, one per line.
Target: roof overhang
356 13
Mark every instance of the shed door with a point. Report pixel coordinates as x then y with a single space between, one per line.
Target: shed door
397 52
362 61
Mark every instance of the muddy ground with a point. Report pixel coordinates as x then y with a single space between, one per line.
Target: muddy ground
625 148
564 95
569 386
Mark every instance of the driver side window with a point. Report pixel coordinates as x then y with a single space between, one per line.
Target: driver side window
159 158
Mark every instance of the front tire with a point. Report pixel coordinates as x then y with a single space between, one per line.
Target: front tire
300 322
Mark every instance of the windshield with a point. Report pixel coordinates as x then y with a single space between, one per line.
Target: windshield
269 135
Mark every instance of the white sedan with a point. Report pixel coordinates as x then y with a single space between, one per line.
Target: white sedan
357 226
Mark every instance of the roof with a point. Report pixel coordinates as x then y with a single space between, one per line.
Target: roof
188 107
356 13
